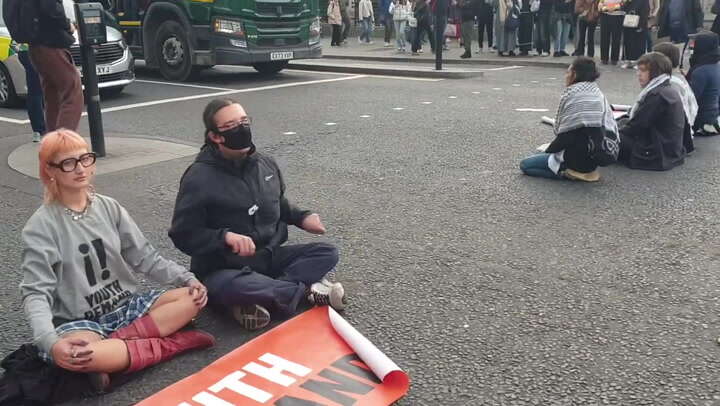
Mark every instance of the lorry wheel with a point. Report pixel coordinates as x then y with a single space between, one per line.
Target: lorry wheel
173 52
270 68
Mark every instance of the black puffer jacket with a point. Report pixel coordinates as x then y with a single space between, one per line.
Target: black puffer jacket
217 195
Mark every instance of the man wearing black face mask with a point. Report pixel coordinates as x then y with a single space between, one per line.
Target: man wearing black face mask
231 216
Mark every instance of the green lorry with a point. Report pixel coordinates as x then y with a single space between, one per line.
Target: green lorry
182 37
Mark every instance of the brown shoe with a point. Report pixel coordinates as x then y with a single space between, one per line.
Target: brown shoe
593 176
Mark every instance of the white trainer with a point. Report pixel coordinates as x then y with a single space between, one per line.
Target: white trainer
324 292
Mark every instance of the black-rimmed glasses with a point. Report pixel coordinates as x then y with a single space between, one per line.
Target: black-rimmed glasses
232 124
69 164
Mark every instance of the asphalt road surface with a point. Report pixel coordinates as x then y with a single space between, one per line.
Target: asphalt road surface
487 286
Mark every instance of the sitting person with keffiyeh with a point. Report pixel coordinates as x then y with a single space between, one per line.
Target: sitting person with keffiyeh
653 137
582 115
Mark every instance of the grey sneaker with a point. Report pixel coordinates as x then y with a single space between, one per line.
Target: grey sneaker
328 293
253 317
36 137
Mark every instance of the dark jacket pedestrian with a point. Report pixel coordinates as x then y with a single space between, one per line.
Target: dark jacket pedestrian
467 16
653 138
679 18
421 12
544 27
611 30
232 215
525 31
51 58
704 79
485 23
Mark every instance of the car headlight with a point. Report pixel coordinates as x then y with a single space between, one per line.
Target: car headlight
229 27
314 35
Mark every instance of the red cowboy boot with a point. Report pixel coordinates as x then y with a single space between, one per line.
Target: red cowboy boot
144 327
146 352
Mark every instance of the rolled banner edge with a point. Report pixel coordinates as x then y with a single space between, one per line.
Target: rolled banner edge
380 364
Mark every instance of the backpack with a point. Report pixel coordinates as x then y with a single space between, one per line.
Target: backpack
22 19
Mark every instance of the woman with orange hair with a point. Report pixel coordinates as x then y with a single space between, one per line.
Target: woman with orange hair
79 292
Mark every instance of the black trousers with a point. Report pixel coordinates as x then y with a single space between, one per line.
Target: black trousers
423 26
336 34
276 280
586 30
611 28
634 41
485 23
543 30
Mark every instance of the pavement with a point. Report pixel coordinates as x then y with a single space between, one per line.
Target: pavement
487 286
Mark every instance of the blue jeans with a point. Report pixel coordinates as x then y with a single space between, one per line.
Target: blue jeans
537 165
366 30
34 102
400 33
562 33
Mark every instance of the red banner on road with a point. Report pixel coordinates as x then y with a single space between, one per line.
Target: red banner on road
314 359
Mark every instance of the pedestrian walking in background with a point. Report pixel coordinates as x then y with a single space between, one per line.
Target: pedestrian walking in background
34 100
679 18
387 20
367 19
563 15
422 17
525 31
335 20
635 30
716 23
704 79
611 28
346 22
60 79
588 15
507 21
544 27
467 11
485 24
400 12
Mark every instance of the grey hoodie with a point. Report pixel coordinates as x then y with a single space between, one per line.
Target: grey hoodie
83 269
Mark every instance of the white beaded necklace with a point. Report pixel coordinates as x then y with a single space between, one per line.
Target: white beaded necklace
75 215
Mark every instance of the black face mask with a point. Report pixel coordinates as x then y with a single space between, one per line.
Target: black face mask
236 138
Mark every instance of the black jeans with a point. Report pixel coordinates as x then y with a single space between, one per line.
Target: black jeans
346 26
336 34
583 28
543 29
635 42
485 24
389 26
34 102
276 280
611 28
423 26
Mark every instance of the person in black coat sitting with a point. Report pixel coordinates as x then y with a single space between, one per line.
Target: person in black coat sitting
653 136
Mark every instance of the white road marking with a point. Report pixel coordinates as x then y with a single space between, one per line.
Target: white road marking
534 81
503 68
426 102
157 82
496 88
533 110
370 76
475 92
14 121
229 92
398 108
516 85
452 97
289 133
365 116
330 124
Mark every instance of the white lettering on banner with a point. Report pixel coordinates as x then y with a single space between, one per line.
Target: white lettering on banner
233 383
275 374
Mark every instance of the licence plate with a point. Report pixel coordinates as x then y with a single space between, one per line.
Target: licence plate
281 56
102 70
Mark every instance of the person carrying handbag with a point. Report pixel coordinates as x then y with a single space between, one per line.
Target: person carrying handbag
635 25
335 19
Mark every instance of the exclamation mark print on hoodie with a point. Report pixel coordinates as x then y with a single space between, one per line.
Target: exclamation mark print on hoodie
89 271
102 257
